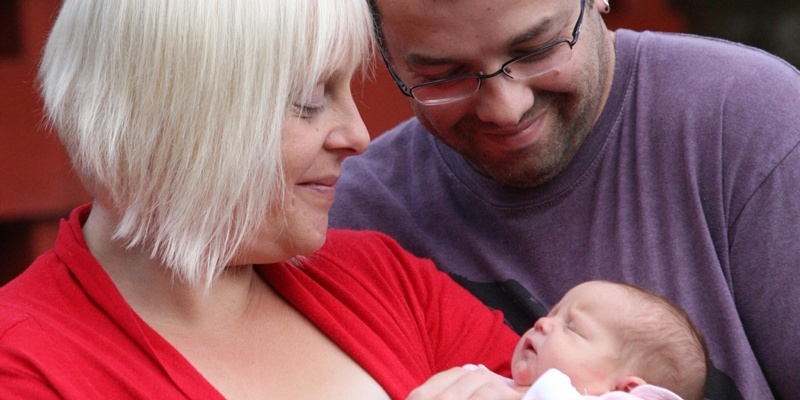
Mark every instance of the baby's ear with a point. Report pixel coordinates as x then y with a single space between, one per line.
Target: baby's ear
628 383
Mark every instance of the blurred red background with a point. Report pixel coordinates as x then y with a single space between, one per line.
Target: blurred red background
37 187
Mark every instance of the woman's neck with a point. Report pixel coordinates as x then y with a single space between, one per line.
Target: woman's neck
159 298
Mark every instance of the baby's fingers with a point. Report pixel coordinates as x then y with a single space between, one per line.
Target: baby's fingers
462 384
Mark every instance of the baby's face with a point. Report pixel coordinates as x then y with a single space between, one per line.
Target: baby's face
580 337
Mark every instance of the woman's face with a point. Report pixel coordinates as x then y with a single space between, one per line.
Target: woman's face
316 139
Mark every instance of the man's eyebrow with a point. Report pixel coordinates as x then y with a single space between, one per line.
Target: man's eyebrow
524 37
421 59
532 32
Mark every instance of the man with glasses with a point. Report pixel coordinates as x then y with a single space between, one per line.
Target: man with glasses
547 150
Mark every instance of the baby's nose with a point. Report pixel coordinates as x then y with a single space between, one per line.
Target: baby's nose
544 325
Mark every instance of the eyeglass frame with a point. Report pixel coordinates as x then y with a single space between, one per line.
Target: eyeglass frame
409 91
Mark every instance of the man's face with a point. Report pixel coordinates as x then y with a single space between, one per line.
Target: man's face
520 132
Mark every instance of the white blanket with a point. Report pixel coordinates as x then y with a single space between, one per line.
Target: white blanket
554 385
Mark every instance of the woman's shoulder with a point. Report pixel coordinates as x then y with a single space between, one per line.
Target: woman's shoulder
359 243
33 289
369 253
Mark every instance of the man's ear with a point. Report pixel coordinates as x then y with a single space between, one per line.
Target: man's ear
628 383
602 5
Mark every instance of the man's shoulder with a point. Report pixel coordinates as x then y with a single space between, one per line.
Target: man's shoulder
407 135
725 86
704 55
396 158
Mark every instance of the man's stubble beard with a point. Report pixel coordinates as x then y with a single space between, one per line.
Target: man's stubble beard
535 164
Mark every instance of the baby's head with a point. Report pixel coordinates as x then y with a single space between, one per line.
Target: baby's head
610 336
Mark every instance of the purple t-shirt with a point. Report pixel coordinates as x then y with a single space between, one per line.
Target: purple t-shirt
689 185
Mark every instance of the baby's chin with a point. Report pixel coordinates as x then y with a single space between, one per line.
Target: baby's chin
523 372
521 389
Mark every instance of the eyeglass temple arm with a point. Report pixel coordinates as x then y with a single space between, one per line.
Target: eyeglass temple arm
397 81
577 30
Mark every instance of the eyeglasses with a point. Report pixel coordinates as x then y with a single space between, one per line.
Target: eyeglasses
543 59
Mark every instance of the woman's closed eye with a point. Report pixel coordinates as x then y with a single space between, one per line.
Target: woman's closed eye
308 111
312 106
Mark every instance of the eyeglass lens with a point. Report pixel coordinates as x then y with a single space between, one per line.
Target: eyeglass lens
526 67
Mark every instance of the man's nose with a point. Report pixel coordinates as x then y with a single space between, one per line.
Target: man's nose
503 101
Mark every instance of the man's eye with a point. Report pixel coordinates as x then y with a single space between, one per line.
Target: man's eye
436 74
537 57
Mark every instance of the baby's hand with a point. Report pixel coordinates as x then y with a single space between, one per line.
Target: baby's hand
466 383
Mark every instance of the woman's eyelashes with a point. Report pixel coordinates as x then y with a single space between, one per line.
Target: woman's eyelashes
313 105
308 111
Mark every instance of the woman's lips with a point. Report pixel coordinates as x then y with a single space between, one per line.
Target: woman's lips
323 187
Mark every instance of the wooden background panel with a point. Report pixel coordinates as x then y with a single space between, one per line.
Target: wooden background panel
35 178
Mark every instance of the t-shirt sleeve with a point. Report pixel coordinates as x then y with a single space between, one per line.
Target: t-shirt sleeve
764 222
765 274
453 326
459 327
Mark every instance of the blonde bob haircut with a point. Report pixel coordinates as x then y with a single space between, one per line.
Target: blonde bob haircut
171 111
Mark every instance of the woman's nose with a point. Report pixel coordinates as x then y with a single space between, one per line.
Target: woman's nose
356 132
350 136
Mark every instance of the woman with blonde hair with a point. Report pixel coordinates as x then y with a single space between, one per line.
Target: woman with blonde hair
210 134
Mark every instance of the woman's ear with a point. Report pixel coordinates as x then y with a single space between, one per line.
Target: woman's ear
628 383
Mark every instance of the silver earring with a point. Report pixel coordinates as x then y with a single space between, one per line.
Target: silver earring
608 7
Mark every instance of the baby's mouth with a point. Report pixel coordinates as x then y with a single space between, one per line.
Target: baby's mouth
528 346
